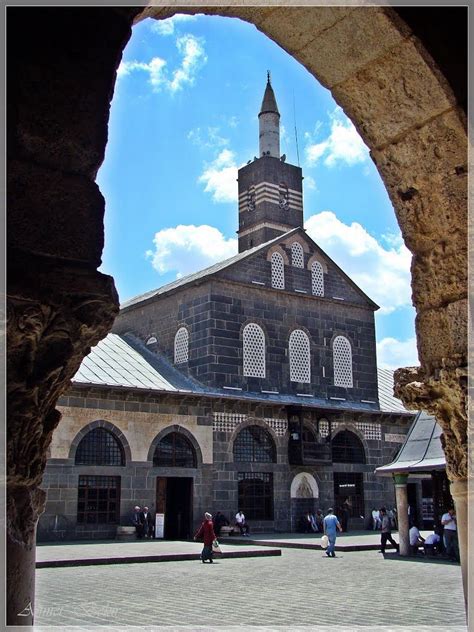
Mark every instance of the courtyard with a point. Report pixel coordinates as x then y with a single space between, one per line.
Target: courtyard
300 589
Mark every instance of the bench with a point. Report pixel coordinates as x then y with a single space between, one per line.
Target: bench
125 533
226 532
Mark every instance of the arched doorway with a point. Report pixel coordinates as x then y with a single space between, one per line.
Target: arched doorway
349 502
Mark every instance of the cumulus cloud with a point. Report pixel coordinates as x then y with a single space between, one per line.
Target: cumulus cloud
382 272
393 353
193 58
310 183
343 145
219 177
167 27
186 249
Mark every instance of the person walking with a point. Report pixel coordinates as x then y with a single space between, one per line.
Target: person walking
147 521
331 526
207 535
386 531
450 534
137 522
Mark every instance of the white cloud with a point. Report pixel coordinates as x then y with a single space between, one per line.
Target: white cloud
167 27
193 58
220 177
381 272
208 138
393 353
187 249
310 183
342 145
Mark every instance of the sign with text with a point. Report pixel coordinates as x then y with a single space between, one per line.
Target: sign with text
160 525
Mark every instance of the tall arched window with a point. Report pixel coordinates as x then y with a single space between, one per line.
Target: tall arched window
342 357
347 448
174 450
300 359
254 350
317 279
254 444
181 346
297 257
278 271
99 447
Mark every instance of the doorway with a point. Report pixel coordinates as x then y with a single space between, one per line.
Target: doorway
349 496
174 499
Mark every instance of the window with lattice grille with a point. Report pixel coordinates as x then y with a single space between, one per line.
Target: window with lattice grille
98 500
181 346
278 271
254 444
174 450
297 257
254 350
347 448
342 355
300 363
317 279
99 447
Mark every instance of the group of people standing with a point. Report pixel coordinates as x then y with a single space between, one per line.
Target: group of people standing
143 522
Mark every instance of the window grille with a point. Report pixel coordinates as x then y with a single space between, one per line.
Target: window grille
254 350
174 450
300 364
99 447
254 445
98 500
347 448
279 426
317 279
278 271
297 257
181 346
371 431
342 355
323 427
255 493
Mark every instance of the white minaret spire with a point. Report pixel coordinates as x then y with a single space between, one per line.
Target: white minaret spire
269 124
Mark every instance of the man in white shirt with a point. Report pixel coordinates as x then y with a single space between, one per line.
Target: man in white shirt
432 541
241 523
415 539
450 534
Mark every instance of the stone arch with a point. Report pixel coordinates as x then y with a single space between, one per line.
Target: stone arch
281 251
300 480
179 429
317 257
266 429
356 448
392 78
107 425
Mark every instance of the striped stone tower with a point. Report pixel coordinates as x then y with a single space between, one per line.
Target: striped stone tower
270 189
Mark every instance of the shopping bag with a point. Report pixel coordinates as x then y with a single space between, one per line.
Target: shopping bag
215 547
324 542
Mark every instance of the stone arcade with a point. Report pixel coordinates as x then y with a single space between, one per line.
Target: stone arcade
251 384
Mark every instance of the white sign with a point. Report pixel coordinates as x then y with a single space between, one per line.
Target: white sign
395 438
160 525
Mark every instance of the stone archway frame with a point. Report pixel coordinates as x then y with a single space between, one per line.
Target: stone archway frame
180 430
341 427
253 421
298 479
107 425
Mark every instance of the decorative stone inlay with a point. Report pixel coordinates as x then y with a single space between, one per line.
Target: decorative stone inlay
279 426
371 431
395 438
228 422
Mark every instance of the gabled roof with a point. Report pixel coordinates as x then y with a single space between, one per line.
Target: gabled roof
204 274
201 275
422 450
387 400
125 362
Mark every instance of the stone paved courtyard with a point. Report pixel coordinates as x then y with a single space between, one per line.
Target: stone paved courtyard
299 589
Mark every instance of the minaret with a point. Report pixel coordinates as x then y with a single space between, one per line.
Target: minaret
270 189
269 124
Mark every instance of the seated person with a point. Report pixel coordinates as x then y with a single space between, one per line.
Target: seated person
219 521
241 523
416 540
432 544
319 520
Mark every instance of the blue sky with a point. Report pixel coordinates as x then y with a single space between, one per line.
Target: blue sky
184 118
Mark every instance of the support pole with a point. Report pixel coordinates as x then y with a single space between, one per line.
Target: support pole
401 495
459 491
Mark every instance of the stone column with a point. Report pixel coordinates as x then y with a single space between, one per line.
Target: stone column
402 512
460 493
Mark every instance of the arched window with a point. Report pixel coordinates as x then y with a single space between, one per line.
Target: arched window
297 257
254 445
347 448
317 279
278 271
181 346
99 447
342 357
254 350
174 450
300 361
